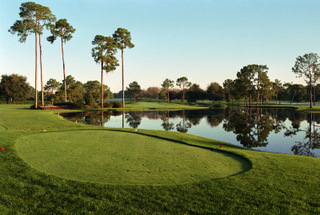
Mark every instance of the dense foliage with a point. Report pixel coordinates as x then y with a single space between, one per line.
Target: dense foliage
82 94
14 88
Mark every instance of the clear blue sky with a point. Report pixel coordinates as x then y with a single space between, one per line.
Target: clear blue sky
204 40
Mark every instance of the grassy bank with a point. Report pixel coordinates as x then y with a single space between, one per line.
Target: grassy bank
154 105
264 183
147 105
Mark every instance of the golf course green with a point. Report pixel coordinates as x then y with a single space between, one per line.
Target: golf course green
122 158
52 166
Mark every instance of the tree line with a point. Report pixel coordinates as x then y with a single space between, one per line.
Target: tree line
15 88
252 83
35 18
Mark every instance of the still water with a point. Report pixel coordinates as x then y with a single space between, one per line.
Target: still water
273 130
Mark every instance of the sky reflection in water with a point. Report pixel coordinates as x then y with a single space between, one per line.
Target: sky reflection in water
274 130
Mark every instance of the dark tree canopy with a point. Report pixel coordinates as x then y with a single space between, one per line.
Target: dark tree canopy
166 85
93 89
134 90
61 29
14 87
215 92
51 86
184 84
195 93
123 38
308 67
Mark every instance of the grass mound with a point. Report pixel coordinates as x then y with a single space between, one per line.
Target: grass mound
122 158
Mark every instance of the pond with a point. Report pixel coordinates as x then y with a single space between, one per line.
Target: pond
273 130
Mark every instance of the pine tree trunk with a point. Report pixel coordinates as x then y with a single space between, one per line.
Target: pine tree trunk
101 84
310 81
123 102
183 94
36 71
41 72
310 95
64 73
314 95
52 97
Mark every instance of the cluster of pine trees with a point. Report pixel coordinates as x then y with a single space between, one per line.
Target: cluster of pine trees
252 83
35 18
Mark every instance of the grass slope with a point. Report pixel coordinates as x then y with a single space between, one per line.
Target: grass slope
276 183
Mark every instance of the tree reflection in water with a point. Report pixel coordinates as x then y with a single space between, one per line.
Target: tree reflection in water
166 125
183 125
311 139
133 119
251 126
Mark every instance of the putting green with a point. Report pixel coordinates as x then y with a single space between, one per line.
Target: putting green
123 158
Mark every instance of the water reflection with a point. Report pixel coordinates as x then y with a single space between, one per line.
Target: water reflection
166 124
133 119
251 128
311 140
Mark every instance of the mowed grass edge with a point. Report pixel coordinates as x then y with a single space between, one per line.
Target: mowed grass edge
276 184
125 158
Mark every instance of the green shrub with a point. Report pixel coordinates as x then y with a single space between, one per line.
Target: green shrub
218 106
70 105
107 105
89 100
116 105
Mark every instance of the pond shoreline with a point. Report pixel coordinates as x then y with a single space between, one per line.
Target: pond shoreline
262 129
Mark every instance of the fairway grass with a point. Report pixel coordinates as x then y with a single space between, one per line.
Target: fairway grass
122 158
2 129
161 105
274 184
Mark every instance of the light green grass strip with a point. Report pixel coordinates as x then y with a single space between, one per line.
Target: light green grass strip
123 158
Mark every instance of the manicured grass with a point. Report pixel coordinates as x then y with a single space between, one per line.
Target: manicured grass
275 184
123 158
300 107
161 105
2 129
145 106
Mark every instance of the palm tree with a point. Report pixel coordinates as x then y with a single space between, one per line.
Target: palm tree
63 30
123 39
